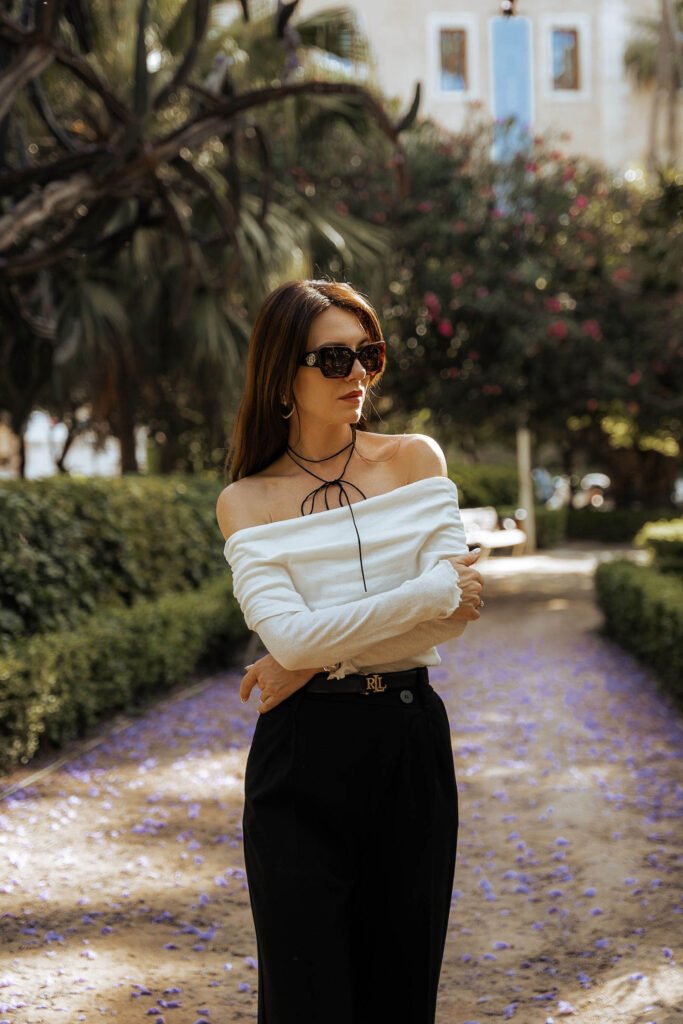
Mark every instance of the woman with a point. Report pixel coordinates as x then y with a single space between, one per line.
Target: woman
349 560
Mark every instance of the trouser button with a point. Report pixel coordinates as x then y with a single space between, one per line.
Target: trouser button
407 696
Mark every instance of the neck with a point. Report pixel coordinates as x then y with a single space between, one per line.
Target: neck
320 442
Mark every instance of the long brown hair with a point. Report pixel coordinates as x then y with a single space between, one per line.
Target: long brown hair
277 343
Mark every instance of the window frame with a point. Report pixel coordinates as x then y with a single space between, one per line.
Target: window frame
460 22
580 25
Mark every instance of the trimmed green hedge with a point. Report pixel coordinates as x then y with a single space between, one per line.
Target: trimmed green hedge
71 545
665 540
54 686
619 525
485 485
643 611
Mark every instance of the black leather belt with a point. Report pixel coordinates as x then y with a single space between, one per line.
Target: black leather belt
372 683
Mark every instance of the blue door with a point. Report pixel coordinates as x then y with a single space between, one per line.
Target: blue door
511 72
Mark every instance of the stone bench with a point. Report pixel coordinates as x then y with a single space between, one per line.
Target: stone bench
482 530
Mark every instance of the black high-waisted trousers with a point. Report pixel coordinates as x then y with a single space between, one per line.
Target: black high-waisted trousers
350 827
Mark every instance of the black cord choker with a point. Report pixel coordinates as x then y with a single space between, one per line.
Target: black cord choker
327 457
308 504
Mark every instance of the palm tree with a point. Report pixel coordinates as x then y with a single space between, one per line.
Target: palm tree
147 201
654 60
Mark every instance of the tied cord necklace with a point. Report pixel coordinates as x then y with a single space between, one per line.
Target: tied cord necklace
339 482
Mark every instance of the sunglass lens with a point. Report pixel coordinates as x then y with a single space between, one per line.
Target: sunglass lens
336 361
372 358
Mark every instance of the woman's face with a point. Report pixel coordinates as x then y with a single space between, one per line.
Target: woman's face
332 399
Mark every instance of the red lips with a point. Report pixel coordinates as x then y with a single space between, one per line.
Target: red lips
353 394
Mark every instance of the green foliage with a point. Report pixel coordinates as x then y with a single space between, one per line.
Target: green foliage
618 525
546 290
484 484
643 611
665 540
69 546
55 686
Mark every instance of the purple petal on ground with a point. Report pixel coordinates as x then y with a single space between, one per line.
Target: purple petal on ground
667 953
243 987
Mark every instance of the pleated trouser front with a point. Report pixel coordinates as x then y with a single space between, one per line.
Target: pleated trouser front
350 827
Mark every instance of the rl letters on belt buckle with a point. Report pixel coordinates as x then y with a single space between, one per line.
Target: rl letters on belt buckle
373 684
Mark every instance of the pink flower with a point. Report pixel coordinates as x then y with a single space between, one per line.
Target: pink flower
591 328
558 329
621 274
426 206
445 328
634 378
341 207
553 305
457 279
482 291
497 213
592 404
568 174
460 226
528 218
581 202
531 167
431 301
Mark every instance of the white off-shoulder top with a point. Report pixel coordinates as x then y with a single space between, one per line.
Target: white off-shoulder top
299 584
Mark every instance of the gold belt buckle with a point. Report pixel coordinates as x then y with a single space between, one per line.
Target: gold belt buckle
373 684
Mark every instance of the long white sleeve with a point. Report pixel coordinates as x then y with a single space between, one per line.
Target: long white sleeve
300 637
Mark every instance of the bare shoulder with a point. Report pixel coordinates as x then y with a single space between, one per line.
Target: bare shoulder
240 505
412 456
423 457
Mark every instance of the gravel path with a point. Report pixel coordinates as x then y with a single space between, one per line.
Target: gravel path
122 886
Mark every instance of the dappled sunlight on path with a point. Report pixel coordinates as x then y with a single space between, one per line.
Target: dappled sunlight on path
122 879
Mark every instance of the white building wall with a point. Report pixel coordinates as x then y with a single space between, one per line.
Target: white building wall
607 118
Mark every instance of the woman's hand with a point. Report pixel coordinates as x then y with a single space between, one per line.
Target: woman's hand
471 584
275 682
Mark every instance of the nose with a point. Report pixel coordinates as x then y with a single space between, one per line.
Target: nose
358 371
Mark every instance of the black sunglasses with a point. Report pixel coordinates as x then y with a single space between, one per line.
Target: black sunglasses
337 360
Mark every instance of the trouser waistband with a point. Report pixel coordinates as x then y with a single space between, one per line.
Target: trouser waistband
372 683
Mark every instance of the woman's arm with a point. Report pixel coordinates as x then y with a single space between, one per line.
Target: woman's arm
298 637
415 641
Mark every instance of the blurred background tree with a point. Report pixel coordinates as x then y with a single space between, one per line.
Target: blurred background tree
543 290
654 60
148 206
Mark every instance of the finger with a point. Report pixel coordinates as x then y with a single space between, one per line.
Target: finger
267 703
248 682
